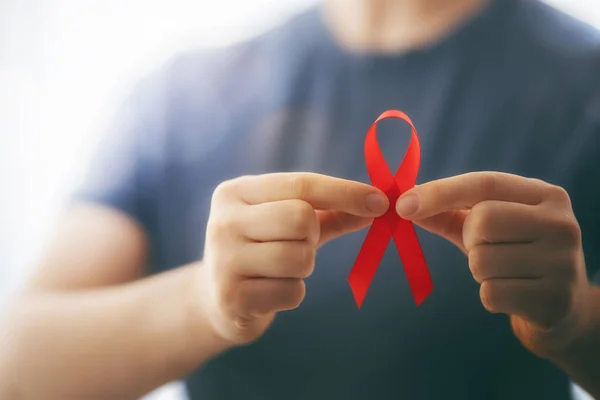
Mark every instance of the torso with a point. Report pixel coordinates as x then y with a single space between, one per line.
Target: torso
485 111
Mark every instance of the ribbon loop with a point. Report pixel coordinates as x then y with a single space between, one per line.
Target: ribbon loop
390 225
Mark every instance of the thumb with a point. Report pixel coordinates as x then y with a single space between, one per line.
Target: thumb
337 223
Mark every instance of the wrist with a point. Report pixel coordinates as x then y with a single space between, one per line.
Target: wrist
199 329
583 328
581 357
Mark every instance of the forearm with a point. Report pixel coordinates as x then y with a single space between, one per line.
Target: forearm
117 342
581 359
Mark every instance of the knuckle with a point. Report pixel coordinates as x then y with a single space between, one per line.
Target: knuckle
297 293
476 263
224 190
568 230
568 268
487 185
224 224
564 266
488 294
559 304
345 195
306 261
224 262
438 192
481 220
558 194
302 218
297 260
299 186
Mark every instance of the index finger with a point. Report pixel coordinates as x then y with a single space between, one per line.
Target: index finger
321 191
464 191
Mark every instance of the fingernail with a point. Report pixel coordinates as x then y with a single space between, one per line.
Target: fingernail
407 205
377 203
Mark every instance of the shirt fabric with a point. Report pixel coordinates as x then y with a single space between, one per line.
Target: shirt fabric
514 89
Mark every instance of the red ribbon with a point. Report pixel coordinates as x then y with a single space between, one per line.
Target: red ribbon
390 225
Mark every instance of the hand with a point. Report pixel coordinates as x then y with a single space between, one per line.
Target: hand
262 235
524 248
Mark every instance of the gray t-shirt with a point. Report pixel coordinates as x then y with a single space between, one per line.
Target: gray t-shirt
514 89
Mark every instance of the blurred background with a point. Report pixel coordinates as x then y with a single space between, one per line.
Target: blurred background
64 62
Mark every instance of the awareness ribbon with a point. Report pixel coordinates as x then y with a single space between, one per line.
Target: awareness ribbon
390 225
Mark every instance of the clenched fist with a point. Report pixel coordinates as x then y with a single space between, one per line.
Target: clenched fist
261 239
524 248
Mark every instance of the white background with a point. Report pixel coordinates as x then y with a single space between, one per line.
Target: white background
61 61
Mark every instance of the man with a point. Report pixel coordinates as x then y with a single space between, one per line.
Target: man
228 170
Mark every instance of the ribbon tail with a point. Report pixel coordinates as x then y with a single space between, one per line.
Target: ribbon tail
413 260
368 259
